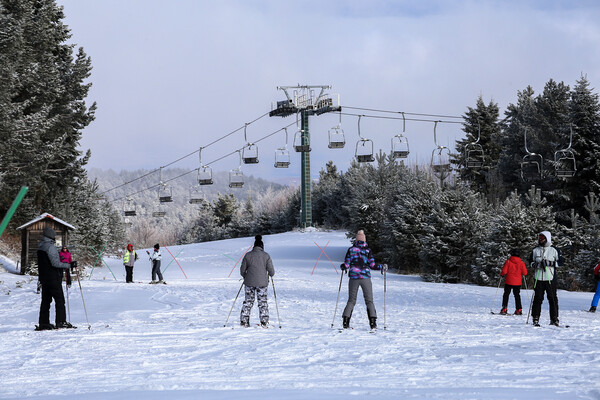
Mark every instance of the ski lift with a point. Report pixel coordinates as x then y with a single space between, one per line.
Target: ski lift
250 151
400 143
282 155
196 195
532 164
165 193
474 152
158 212
364 153
440 158
236 176
301 145
564 160
204 172
337 140
129 209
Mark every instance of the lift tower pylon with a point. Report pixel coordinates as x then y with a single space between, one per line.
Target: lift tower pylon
301 100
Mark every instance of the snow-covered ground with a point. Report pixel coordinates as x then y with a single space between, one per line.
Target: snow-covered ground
168 341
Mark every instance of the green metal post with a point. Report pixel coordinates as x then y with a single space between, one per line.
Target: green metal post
306 192
13 208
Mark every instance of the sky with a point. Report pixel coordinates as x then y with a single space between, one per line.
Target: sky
171 77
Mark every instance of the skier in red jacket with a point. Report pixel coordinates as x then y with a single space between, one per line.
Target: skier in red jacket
514 269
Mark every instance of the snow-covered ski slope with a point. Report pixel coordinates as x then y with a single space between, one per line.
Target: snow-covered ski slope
169 342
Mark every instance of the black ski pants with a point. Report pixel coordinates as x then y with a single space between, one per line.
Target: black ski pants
367 289
549 288
52 290
516 292
156 270
129 274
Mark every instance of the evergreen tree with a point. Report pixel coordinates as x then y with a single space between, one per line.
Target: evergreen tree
326 198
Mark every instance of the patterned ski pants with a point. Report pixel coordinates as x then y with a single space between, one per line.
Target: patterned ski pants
263 308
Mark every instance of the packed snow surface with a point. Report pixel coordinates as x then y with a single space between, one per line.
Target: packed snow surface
169 341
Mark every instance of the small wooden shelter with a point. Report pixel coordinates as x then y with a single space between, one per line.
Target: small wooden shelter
31 234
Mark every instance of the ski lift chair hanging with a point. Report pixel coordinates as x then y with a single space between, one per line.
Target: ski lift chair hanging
337 140
282 155
440 158
564 160
165 194
204 172
299 144
364 148
236 176
250 151
195 195
129 209
474 154
532 164
158 212
400 147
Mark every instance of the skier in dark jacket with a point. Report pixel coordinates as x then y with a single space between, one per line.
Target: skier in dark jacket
359 262
255 269
544 259
51 275
514 269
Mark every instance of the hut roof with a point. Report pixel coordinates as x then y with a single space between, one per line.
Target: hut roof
44 216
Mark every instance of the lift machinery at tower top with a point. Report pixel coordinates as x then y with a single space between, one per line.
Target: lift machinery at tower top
303 101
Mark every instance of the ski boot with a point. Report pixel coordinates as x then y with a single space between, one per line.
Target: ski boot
264 324
518 311
536 322
592 309
554 322
373 322
345 322
503 311
245 323
44 327
64 325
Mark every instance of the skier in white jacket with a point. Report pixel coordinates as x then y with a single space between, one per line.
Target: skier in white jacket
544 259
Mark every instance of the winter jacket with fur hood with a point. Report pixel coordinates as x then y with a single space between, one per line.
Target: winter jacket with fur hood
545 259
257 267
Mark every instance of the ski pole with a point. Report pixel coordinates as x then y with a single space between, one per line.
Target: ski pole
338 298
531 301
384 293
499 282
233 305
276 306
68 306
82 299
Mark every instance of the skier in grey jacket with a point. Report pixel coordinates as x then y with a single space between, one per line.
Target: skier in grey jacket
255 269
544 259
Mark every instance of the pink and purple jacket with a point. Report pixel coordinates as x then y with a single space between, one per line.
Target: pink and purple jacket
359 262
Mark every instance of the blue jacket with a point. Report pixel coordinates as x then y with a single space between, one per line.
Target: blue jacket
359 261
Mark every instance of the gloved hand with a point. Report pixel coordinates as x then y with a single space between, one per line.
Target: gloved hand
343 268
384 268
147 252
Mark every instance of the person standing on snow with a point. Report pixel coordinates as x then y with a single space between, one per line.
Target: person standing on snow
597 295
129 258
255 269
51 274
545 258
359 262
514 269
65 257
155 258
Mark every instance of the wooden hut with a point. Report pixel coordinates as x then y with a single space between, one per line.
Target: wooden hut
31 234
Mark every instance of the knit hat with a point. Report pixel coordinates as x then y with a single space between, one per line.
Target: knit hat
515 252
49 233
129 247
360 235
258 242
157 246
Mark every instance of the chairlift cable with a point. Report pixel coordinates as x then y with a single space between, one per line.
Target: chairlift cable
403 112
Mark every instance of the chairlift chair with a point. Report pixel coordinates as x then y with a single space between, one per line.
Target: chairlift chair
532 165
250 154
205 176
282 158
440 157
299 146
236 176
196 195
165 194
474 155
364 152
129 209
159 212
337 140
564 160
400 147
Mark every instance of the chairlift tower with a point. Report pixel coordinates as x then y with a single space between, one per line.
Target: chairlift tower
303 100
